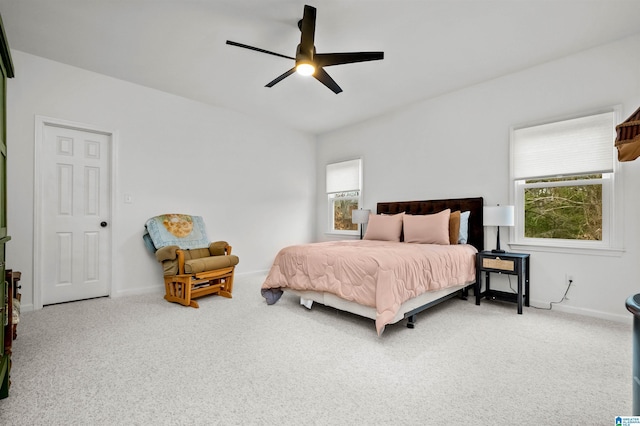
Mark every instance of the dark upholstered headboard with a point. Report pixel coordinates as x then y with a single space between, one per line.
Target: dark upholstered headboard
474 205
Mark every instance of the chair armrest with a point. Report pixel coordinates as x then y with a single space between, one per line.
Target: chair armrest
180 261
219 248
180 254
166 253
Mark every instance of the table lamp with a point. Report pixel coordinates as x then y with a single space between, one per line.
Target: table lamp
360 216
498 216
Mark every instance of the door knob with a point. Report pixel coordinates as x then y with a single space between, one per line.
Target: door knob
103 224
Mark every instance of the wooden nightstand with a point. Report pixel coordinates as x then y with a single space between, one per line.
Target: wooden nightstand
503 263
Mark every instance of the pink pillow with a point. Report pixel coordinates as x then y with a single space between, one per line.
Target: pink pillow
384 227
427 229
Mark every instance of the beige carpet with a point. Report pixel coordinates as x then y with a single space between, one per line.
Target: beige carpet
139 360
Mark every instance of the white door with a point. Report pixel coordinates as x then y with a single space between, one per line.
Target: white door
75 255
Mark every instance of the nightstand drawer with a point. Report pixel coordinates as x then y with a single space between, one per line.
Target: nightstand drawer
497 263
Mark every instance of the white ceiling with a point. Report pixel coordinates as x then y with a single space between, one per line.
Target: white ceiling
431 47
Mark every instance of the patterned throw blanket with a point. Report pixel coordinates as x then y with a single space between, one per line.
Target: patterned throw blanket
182 230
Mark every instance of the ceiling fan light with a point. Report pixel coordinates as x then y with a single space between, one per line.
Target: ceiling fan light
305 68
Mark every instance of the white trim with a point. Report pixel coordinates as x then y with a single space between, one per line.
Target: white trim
613 216
330 225
159 289
40 122
539 304
608 240
343 234
565 249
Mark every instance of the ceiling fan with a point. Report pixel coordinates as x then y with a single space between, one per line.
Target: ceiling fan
308 62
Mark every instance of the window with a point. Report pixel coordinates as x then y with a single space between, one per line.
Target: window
564 178
344 181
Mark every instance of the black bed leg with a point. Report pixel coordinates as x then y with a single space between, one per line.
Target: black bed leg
411 321
465 293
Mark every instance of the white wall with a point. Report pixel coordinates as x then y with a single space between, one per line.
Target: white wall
457 145
253 182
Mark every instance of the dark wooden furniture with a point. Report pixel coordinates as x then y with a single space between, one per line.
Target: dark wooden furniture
9 331
503 263
12 278
6 71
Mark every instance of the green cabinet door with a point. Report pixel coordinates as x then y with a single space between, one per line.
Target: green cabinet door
6 71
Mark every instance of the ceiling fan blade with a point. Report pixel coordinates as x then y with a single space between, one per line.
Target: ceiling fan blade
308 28
280 77
327 59
306 54
257 49
324 78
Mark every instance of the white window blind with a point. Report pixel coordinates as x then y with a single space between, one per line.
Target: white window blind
578 146
343 176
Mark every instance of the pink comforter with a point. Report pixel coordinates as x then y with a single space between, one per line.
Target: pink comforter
379 274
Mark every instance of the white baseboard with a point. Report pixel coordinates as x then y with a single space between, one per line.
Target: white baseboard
160 288
136 291
585 312
26 308
259 272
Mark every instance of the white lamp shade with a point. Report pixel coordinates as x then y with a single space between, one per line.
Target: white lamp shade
360 215
498 216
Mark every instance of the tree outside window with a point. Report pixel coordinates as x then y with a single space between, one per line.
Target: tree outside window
572 212
343 204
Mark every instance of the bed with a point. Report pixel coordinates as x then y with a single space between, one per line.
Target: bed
359 276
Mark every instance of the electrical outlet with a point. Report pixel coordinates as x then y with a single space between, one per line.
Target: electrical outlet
569 279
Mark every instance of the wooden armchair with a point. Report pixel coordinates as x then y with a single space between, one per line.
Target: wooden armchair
193 273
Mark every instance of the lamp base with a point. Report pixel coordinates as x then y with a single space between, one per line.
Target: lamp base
497 249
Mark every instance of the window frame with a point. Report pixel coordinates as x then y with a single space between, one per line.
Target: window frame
331 197
612 206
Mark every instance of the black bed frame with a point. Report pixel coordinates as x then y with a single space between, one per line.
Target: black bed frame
476 234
